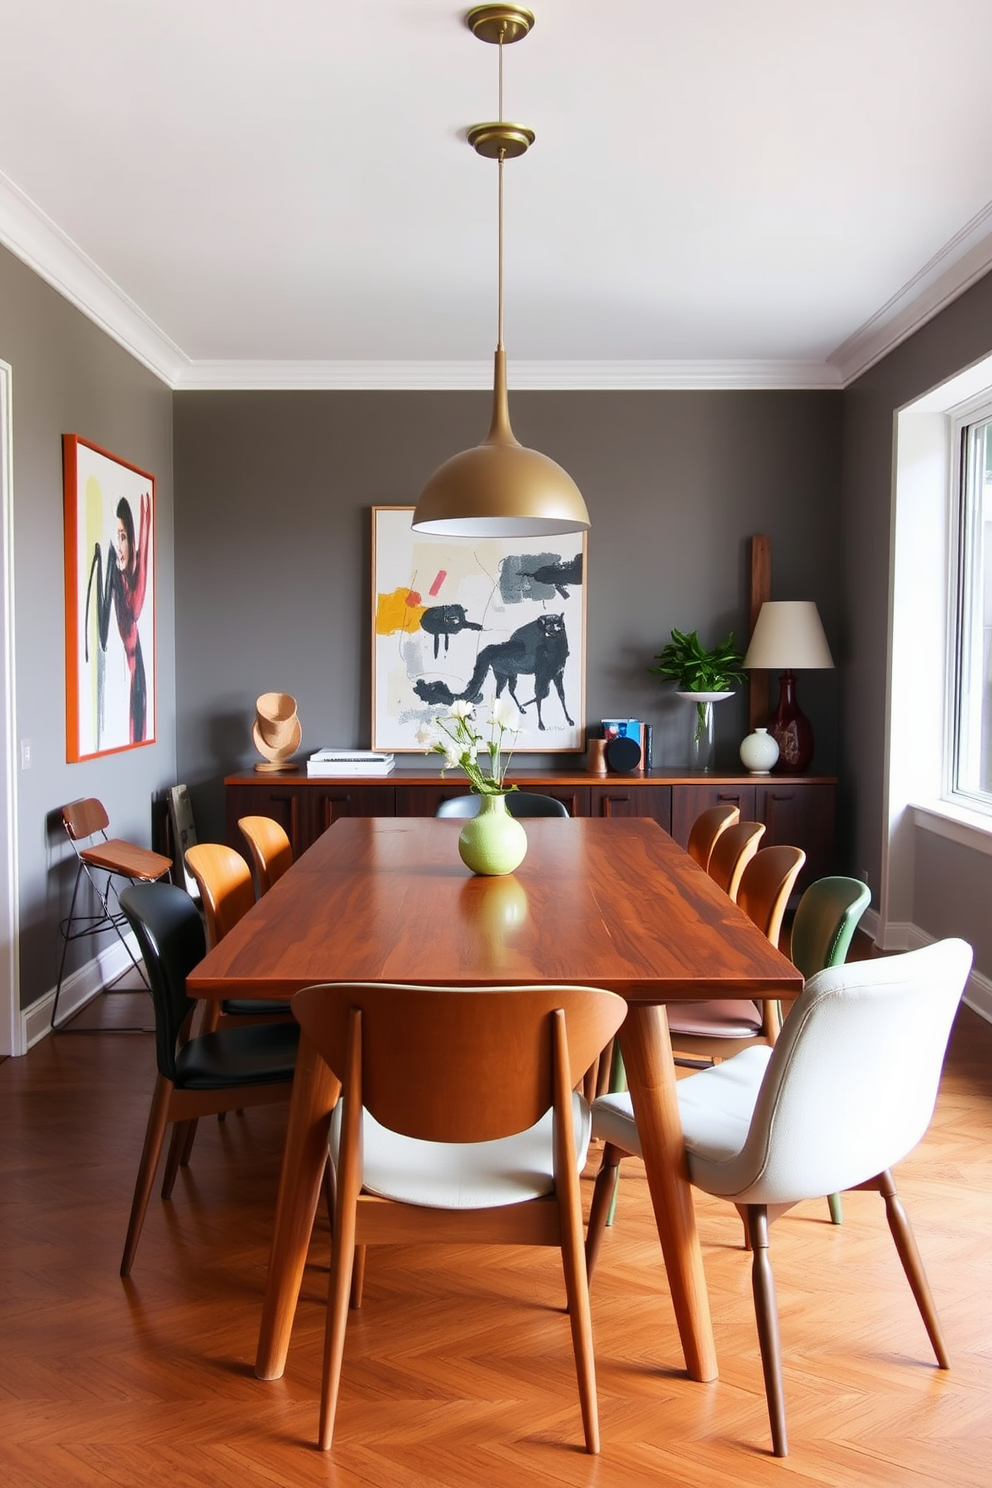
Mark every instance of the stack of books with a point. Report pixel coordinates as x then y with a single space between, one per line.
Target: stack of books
349 762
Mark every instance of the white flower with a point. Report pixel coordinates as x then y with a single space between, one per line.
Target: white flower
461 710
505 715
451 759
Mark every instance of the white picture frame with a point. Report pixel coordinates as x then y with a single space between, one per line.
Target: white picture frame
476 618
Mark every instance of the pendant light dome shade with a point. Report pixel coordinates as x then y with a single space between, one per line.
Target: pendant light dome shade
500 488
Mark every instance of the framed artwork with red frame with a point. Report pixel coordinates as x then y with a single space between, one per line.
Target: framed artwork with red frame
109 520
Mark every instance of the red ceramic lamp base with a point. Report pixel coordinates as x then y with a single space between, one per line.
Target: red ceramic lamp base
791 730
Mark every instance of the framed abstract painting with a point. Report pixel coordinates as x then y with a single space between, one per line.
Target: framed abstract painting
109 523
474 619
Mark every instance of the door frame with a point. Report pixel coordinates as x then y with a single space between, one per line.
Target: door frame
11 1028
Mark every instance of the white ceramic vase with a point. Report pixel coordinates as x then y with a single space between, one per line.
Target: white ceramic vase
759 752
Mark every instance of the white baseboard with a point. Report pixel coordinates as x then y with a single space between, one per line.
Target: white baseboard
903 936
77 990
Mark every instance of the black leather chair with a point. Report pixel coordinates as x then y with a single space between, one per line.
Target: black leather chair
223 1071
518 803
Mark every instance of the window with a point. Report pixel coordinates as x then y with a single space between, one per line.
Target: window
970 763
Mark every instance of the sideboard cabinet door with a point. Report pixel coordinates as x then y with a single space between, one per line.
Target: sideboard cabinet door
689 801
799 813
342 798
639 799
285 801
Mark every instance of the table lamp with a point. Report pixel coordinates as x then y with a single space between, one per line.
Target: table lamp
788 637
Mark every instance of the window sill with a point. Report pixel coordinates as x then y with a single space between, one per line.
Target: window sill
957 823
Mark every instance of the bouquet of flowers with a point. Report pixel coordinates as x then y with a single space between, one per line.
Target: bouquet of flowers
465 747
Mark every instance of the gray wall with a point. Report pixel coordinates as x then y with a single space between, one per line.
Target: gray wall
273 499
68 377
952 883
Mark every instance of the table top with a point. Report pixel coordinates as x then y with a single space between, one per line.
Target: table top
612 903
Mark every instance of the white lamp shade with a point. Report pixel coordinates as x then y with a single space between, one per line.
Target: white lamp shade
788 637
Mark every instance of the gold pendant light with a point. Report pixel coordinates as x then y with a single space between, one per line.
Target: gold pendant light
500 488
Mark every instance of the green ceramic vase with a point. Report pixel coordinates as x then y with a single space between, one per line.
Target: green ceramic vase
494 842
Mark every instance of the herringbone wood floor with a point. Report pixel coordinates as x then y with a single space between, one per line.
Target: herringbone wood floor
458 1370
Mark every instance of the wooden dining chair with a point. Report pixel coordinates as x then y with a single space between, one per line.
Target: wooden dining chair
707 828
769 1128
703 1032
457 1123
227 894
104 863
269 847
231 1069
732 851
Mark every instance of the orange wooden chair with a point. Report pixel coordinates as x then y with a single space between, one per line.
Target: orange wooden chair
227 893
704 1032
732 851
269 847
706 829
427 1070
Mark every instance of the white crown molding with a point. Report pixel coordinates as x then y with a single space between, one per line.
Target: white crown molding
39 242
32 236
523 376
955 267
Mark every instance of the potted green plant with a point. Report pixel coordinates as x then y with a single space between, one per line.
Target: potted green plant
704 677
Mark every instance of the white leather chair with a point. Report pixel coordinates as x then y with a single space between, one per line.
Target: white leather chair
846 1092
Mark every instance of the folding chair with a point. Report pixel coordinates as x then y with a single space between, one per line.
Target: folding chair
98 854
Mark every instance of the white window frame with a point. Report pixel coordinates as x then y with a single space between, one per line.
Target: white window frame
962 733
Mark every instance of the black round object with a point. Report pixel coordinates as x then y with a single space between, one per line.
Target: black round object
623 755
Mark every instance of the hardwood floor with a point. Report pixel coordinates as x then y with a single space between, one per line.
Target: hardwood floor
458 1370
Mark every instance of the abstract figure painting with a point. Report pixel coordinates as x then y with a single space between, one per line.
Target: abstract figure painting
475 619
109 601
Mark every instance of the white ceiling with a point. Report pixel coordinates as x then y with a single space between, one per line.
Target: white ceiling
278 192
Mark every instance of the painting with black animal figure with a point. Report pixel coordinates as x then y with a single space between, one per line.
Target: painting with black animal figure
476 619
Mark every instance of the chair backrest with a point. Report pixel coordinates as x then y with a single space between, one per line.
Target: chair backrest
449 1064
518 803
270 849
707 828
851 1084
169 932
82 818
225 883
765 886
825 921
732 851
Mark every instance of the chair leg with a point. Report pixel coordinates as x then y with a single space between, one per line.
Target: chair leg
180 1149
602 1201
342 1263
766 1316
176 1144
909 1255
66 928
836 1209
187 1151
579 1313
357 1278
158 1120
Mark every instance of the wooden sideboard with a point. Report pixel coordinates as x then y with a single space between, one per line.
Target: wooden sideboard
796 809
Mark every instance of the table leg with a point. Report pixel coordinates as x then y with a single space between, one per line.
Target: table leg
315 1089
647 1057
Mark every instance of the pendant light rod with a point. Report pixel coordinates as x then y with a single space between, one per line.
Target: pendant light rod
500 488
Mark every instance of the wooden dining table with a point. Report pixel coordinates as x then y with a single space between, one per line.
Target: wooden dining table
612 903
